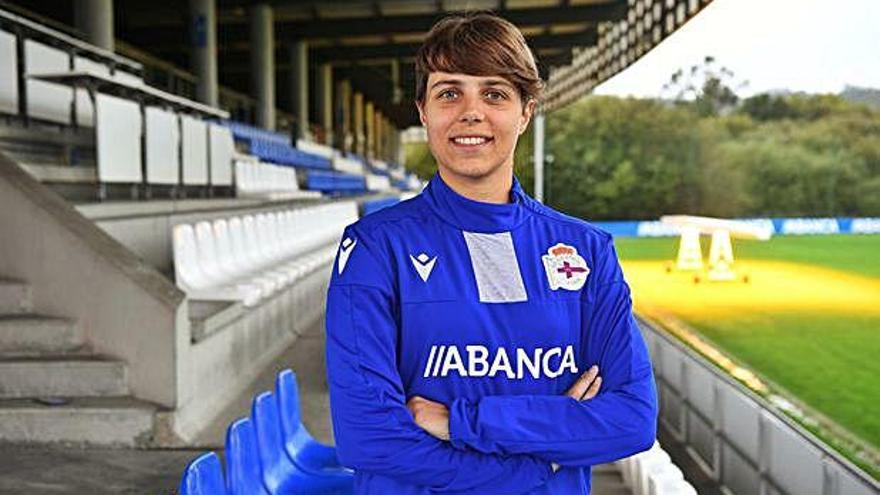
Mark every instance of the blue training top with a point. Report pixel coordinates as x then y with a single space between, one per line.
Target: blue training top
493 310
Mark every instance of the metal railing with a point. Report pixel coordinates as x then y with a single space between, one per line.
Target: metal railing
736 437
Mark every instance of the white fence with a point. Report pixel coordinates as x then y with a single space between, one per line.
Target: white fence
739 441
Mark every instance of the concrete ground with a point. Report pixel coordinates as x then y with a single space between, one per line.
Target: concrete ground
55 471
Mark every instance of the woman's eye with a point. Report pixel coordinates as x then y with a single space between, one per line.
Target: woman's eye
447 94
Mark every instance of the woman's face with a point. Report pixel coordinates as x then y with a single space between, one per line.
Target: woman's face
473 122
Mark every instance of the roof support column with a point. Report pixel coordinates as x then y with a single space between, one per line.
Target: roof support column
539 156
263 63
95 19
386 140
369 117
203 53
343 115
379 126
398 151
358 130
299 86
324 95
396 91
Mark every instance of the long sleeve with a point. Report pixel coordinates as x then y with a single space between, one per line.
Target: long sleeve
618 422
374 431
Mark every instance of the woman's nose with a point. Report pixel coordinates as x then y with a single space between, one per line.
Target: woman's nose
471 116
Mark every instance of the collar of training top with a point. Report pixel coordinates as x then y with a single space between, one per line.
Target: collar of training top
476 216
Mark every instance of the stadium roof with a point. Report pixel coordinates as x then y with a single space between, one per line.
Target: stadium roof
579 43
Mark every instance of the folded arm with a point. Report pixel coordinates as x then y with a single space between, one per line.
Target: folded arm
618 422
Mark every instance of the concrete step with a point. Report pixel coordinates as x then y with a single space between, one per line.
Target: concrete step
15 297
62 376
27 334
114 421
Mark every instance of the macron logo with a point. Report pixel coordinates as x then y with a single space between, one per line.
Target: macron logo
423 265
344 252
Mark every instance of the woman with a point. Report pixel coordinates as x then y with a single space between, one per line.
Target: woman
467 326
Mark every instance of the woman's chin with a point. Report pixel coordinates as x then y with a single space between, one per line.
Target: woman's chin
472 170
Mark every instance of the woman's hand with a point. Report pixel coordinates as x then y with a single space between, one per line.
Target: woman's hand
431 416
587 386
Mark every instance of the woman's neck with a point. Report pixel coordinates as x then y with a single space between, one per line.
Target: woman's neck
494 188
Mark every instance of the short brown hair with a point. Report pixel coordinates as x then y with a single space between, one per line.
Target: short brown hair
478 44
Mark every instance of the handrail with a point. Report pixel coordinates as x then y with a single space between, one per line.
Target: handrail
109 85
40 32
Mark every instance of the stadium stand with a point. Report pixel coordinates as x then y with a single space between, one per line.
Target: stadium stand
199 230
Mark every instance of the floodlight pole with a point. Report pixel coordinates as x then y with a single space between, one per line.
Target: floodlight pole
539 156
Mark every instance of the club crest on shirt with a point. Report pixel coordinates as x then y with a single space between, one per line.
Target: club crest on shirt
565 268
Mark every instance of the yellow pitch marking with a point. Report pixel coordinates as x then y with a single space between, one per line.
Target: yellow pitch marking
772 285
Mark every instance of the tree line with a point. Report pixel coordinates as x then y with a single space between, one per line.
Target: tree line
768 155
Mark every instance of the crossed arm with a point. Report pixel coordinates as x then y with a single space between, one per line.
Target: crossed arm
433 417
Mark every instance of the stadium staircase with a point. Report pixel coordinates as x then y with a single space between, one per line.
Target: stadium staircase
54 387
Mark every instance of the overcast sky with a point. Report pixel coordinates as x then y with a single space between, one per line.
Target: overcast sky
817 46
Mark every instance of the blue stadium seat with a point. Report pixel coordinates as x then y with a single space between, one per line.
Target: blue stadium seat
335 182
243 473
280 475
306 452
203 476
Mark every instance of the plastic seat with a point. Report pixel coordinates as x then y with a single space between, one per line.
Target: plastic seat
259 256
240 253
301 447
628 464
243 473
656 473
217 273
643 465
203 476
192 278
272 248
670 486
280 475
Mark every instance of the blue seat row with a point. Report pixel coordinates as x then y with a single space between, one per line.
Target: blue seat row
335 182
270 453
286 154
248 133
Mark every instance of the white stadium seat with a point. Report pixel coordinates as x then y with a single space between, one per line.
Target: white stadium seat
191 276
254 178
652 472
249 258
673 487
657 468
666 476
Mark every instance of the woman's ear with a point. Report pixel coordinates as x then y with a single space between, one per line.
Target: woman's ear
421 110
528 110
